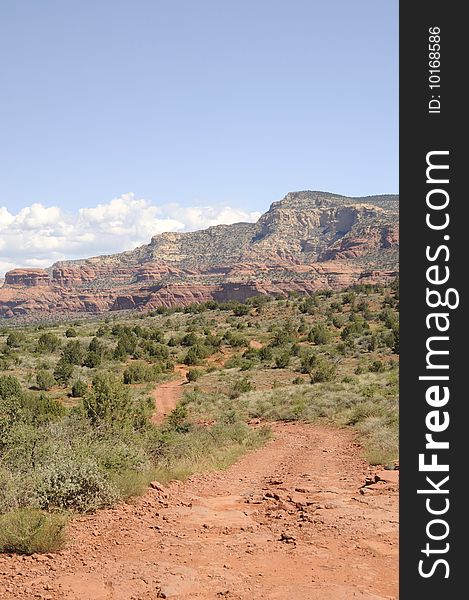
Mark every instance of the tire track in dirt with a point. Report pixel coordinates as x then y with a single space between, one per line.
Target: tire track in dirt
290 520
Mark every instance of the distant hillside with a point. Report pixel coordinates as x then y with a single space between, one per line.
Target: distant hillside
306 241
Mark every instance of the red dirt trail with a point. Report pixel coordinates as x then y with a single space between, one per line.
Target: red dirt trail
288 521
168 394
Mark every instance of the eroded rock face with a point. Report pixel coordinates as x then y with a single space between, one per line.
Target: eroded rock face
27 278
305 242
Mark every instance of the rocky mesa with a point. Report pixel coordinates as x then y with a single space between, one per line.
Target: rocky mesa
304 242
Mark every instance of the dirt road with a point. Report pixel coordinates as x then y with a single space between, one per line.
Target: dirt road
285 522
168 394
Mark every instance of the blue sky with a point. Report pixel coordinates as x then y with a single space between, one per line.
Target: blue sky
184 103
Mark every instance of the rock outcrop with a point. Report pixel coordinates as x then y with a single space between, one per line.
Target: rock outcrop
305 242
27 277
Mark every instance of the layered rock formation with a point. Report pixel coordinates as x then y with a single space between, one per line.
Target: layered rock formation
305 242
27 278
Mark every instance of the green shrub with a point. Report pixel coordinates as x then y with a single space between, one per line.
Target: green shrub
282 337
16 490
156 350
96 346
30 409
74 353
213 340
190 339
5 363
251 354
156 335
246 365
309 305
295 350
302 327
127 341
140 372
119 453
193 375
235 340
48 342
282 360
79 389
30 531
180 454
109 402
319 334
71 333
15 339
338 321
120 353
322 370
390 318
240 310
377 366
195 354
74 483
9 387
371 342
388 339
308 360
240 386
178 419
42 408
92 360
63 371
351 330
44 380
265 354
349 298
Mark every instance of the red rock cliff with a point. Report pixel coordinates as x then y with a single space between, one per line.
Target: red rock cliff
307 241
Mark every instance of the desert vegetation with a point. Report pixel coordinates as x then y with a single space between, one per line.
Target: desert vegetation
76 399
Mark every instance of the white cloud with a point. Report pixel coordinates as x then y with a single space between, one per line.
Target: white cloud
37 235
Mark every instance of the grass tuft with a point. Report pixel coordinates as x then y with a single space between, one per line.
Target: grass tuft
27 531
130 484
